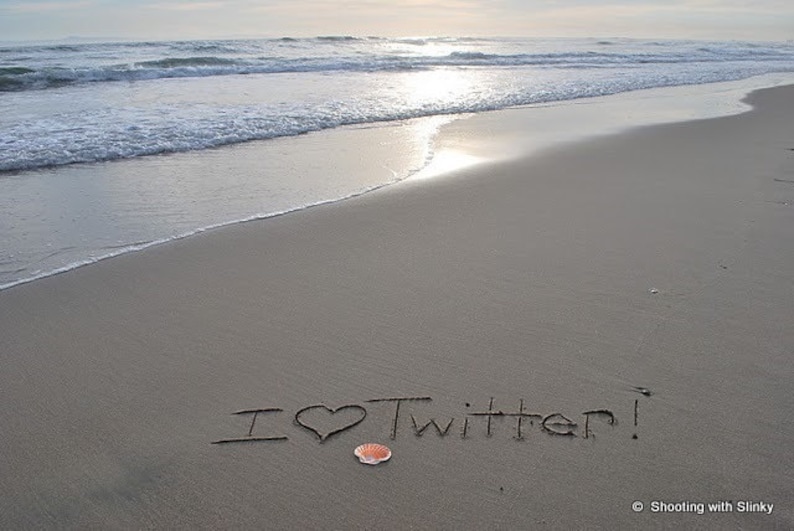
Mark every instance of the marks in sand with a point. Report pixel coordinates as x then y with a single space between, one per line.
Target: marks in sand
325 422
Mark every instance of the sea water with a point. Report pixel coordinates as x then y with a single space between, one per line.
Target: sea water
106 148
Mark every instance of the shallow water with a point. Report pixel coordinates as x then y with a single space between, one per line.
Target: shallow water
109 148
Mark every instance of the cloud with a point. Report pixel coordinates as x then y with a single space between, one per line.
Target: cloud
168 19
344 8
707 19
45 7
188 6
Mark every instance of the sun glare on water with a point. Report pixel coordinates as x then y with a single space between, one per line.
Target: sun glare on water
435 87
447 161
443 87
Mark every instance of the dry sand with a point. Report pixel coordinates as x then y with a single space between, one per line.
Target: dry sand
526 280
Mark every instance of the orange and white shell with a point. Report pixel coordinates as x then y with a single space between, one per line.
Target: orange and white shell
372 454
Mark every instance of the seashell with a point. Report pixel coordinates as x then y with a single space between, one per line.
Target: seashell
372 453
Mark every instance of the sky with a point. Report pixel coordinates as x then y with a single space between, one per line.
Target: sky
182 19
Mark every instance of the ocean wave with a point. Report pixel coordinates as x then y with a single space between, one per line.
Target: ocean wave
15 70
112 134
27 77
205 46
177 62
491 76
9 84
338 38
477 56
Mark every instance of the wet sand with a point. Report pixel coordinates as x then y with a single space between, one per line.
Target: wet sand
605 322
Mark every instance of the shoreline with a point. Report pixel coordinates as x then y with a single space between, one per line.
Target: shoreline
523 283
430 147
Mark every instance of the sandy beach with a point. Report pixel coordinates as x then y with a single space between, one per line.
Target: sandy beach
601 323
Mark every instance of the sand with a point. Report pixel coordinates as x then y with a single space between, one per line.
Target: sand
647 274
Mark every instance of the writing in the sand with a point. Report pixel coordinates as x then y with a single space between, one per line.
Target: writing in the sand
324 421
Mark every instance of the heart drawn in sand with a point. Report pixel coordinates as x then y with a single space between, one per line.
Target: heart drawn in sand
325 422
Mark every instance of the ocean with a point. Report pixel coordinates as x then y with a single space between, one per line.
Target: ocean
108 148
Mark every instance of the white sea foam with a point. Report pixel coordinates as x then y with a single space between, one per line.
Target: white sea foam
38 67
291 87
